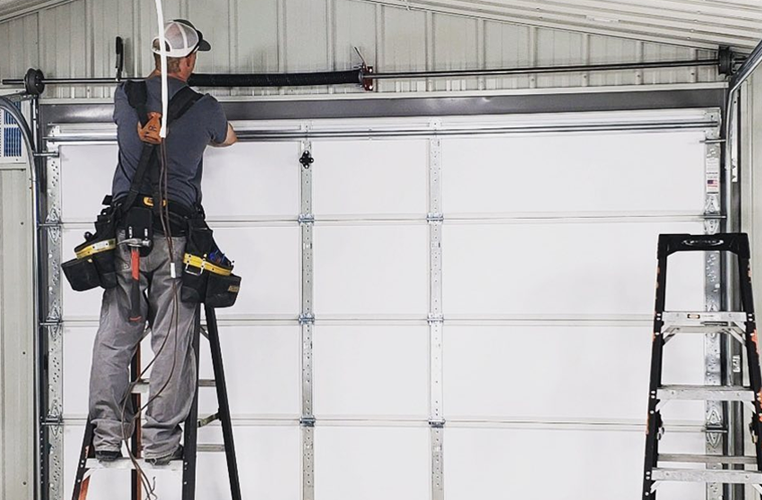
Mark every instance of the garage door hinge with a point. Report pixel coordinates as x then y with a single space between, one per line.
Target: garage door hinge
435 218
46 154
52 421
307 421
435 318
306 219
306 319
437 424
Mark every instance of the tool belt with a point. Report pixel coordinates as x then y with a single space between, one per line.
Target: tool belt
207 275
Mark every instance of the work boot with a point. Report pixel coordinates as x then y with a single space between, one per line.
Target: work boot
162 461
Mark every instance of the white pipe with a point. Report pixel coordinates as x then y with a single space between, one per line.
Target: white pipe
163 55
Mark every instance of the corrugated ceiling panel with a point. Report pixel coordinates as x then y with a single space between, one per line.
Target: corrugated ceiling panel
64 49
22 35
556 48
457 43
702 24
508 45
404 36
77 39
218 29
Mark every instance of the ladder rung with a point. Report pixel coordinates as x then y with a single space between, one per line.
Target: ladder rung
142 386
704 322
707 476
704 393
202 422
705 459
126 463
210 448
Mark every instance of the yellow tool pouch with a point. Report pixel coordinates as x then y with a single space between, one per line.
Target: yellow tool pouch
207 274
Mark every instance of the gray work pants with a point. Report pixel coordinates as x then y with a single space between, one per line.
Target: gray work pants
173 374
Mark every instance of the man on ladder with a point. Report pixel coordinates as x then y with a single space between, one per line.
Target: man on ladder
150 244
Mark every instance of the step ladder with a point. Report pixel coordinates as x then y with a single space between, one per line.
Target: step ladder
88 463
741 326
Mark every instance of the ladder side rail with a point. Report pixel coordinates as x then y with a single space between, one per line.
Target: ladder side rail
191 426
223 403
81 483
752 353
657 348
136 440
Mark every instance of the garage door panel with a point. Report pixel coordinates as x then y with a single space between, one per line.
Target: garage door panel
564 269
252 180
267 258
372 463
531 463
261 367
572 373
602 172
379 269
354 374
370 177
249 180
87 173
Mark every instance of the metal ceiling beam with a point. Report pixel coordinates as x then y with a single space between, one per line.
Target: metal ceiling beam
706 25
18 8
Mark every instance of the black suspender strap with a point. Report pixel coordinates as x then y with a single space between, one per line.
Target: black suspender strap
137 96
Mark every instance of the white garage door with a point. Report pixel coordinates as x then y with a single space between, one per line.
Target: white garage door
475 299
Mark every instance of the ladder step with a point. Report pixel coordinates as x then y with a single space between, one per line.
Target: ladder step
705 459
210 448
704 322
203 422
142 386
707 476
704 393
126 463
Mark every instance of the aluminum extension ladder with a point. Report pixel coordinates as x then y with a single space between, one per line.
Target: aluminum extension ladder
87 462
741 326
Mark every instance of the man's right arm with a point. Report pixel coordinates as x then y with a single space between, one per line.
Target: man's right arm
230 138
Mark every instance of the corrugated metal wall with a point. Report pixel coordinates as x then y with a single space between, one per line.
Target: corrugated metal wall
77 39
17 423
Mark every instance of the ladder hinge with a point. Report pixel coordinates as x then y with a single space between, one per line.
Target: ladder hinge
306 319
307 421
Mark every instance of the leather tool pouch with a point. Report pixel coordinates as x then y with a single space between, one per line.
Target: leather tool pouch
94 265
207 274
138 223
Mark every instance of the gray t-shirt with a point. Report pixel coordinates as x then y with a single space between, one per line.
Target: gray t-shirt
186 141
